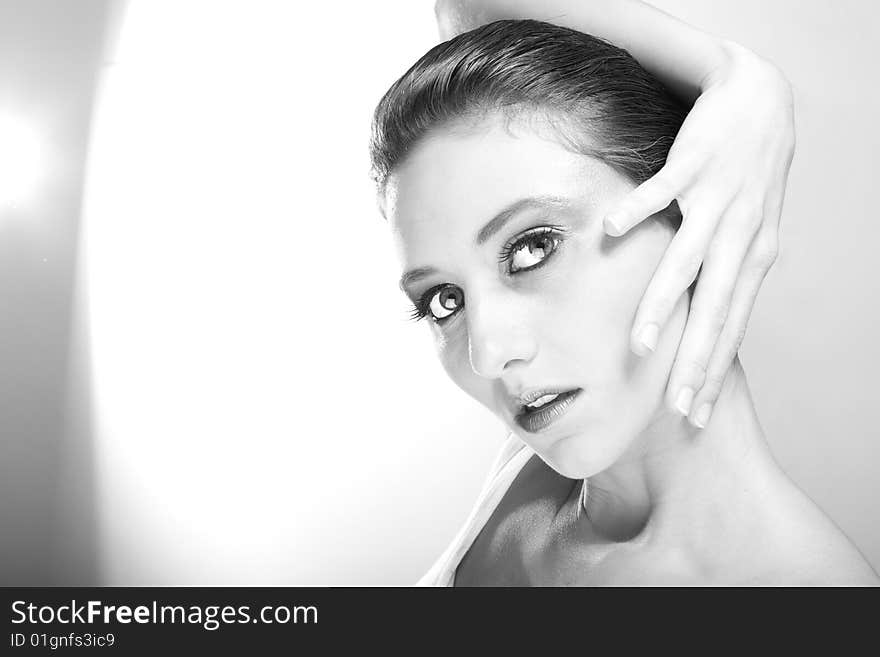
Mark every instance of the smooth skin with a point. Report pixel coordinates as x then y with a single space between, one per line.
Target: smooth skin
665 503
727 170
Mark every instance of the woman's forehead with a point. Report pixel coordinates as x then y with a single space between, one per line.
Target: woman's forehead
455 180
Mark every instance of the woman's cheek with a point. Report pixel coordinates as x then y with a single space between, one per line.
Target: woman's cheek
451 344
599 305
593 312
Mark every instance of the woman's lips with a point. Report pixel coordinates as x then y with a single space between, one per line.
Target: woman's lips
539 419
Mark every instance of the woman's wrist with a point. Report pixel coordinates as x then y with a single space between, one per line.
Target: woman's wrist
734 60
761 95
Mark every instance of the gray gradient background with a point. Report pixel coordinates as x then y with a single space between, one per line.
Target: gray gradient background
811 353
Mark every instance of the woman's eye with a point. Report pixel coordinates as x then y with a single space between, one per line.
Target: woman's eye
531 251
446 302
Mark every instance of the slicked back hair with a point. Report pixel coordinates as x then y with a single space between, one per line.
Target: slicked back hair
596 96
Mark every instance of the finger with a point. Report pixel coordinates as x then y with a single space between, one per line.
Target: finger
677 270
650 197
710 304
773 206
761 255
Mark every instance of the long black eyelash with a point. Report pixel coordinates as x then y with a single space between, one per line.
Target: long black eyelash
422 305
508 249
416 313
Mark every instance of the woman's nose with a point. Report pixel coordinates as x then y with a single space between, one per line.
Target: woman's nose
497 341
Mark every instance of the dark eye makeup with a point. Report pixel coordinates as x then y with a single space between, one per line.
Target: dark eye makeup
526 252
440 302
532 248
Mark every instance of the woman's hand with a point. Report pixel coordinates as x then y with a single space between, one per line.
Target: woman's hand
727 170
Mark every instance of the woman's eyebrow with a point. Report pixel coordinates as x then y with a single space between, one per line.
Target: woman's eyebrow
508 213
414 275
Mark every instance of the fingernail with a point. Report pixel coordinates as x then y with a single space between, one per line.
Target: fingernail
648 337
702 417
684 400
614 225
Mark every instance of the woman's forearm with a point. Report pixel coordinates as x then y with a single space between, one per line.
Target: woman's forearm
681 56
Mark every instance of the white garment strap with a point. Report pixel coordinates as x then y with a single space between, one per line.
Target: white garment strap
514 454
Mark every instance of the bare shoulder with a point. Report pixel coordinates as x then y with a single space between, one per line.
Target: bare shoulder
799 544
813 560
801 558
822 556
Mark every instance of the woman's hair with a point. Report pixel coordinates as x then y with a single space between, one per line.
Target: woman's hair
597 98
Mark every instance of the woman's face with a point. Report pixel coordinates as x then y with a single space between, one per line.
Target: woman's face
500 235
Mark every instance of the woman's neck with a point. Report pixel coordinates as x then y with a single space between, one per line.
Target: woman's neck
674 479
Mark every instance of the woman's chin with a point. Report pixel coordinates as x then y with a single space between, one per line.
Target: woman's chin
578 456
